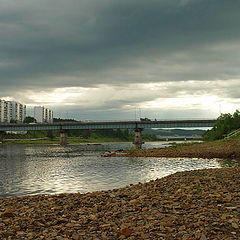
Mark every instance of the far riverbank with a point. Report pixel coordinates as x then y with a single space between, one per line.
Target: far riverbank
71 140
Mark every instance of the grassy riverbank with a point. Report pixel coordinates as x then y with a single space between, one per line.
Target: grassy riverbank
71 140
57 141
202 204
74 136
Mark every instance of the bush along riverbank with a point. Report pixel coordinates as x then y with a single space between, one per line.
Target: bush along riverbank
74 136
196 205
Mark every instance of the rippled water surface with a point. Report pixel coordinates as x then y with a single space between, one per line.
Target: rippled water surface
48 169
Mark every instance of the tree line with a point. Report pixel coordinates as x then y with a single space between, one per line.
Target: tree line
225 124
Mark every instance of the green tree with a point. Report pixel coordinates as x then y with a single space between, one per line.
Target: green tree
85 134
13 121
29 119
225 124
50 134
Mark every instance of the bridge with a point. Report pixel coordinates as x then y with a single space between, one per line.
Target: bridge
138 126
170 138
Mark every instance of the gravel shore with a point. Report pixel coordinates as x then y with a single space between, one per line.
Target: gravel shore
229 149
201 204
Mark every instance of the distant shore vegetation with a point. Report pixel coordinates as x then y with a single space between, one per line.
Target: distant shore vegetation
225 124
77 136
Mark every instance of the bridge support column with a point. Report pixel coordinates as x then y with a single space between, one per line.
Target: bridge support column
63 138
1 137
138 142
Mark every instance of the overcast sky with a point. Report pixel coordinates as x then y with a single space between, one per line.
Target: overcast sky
122 59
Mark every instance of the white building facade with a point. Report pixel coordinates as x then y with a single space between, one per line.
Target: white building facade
12 111
43 115
2 110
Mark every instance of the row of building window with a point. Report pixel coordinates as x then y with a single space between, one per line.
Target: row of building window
11 111
43 115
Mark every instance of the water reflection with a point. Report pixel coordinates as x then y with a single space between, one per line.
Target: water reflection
43 169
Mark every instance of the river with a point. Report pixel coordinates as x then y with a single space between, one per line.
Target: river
51 169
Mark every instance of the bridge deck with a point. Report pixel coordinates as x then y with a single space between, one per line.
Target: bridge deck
108 125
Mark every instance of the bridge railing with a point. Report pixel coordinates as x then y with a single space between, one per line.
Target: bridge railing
108 125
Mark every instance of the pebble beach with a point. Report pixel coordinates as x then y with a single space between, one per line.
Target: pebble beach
223 149
200 204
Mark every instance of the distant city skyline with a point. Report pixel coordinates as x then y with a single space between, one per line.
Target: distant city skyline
104 59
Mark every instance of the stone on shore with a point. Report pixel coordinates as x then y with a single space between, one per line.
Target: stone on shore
196 205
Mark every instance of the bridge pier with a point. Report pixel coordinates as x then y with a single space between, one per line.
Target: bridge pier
63 138
1 137
138 142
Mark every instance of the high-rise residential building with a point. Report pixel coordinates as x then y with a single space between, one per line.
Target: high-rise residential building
2 110
11 110
43 115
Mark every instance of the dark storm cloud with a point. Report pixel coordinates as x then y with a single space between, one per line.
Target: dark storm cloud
84 43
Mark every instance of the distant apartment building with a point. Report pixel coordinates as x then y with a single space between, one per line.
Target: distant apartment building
43 115
2 110
12 111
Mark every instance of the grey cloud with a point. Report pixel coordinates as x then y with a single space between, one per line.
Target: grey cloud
55 43
114 114
201 98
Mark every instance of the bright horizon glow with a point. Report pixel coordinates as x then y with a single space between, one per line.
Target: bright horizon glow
135 96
